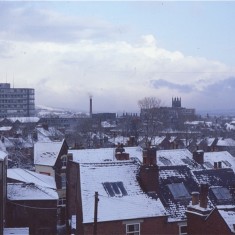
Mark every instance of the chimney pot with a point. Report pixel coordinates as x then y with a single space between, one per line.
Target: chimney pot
219 165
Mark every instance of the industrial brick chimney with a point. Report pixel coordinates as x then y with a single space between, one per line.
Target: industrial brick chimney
90 106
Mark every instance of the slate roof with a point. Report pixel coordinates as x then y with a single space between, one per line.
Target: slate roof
220 183
127 201
176 185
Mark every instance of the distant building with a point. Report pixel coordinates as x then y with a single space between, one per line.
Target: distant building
16 102
171 117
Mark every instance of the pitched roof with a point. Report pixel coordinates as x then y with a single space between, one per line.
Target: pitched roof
102 154
120 196
46 153
3 155
228 215
23 191
27 176
176 157
226 159
176 185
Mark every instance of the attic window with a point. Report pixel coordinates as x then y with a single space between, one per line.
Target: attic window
221 193
178 191
115 189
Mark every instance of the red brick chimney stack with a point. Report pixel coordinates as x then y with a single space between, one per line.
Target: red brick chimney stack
204 188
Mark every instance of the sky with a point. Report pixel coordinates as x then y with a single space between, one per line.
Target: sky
119 52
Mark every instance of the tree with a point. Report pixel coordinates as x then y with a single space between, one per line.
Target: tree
149 114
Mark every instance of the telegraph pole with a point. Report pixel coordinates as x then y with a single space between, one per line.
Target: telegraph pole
95 213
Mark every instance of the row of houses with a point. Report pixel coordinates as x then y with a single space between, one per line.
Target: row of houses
123 190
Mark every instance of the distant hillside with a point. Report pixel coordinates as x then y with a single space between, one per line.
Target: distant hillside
44 111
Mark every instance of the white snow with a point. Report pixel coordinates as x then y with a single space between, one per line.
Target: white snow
135 204
46 153
5 128
17 231
27 176
23 191
3 155
228 216
102 154
227 160
175 156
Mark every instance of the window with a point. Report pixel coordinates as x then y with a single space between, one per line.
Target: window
115 189
63 181
62 201
183 230
221 194
178 190
133 229
64 161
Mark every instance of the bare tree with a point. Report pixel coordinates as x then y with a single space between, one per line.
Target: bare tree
149 114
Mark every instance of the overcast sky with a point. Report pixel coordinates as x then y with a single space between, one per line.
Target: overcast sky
120 52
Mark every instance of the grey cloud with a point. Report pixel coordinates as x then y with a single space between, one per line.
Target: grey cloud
180 87
24 22
226 86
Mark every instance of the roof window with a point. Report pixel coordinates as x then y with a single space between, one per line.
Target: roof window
115 189
179 191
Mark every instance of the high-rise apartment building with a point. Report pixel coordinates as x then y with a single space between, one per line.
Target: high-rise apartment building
16 102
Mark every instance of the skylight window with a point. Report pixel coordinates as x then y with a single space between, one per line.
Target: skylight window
221 193
115 189
178 191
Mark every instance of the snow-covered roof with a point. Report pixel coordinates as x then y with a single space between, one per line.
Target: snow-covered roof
174 157
229 142
230 126
24 119
3 155
27 176
23 191
131 204
16 231
158 140
46 153
51 131
119 139
228 214
227 160
102 154
5 128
